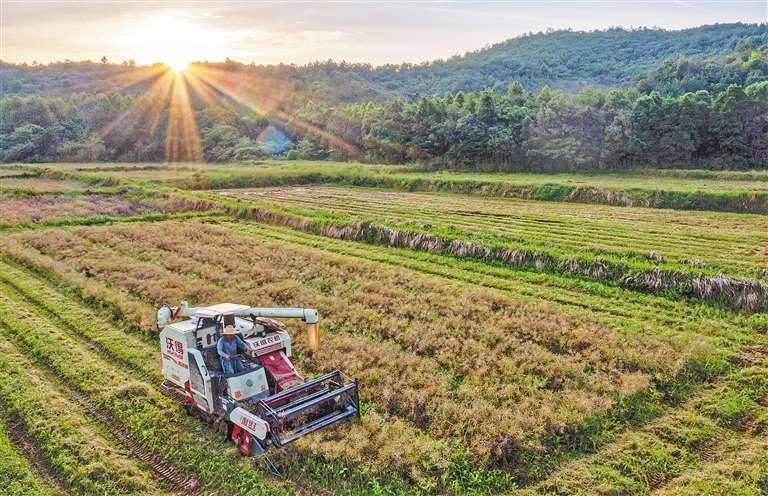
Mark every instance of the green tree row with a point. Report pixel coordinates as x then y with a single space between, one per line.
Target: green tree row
549 131
514 130
125 128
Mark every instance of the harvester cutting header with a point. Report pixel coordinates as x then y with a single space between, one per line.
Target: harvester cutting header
261 399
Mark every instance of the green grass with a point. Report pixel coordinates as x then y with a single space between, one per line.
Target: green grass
17 477
686 190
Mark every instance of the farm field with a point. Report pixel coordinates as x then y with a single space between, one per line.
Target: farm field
726 242
687 190
475 375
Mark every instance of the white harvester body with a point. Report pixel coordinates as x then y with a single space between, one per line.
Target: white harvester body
267 402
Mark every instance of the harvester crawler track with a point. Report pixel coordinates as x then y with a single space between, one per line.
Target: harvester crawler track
165 471
18 435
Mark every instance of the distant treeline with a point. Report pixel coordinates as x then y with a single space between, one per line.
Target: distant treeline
548 131
545 131
561 101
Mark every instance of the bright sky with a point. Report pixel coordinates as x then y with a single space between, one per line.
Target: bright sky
301 31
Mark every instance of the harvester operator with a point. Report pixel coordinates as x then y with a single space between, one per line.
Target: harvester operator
228 346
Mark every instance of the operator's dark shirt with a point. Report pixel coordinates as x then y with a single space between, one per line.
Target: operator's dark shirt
230 347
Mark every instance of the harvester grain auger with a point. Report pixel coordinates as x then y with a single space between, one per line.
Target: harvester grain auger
267 403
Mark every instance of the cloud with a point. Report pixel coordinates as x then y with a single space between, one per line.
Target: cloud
189 15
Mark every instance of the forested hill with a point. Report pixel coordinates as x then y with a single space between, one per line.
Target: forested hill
562 101
569 60
670 61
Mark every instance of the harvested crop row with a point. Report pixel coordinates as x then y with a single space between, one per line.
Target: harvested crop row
34 185
68 315
341 291
627 309
539 227
85 460
17 477
724 239
39 208
741 294
147 416
711 444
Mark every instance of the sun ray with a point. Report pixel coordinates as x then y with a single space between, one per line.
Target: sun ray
133 76
268 98
211 97
182 143
149 108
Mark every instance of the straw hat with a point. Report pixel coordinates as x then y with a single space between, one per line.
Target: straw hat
229 331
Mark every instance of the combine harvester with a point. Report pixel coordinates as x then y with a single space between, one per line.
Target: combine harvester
268 403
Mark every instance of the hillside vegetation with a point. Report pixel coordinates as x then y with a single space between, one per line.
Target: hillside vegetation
561 101
563 60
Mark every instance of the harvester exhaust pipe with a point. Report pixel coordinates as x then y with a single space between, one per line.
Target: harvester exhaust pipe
313 336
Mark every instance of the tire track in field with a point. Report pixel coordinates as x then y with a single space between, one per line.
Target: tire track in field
63 396
36 303
165 470
19 437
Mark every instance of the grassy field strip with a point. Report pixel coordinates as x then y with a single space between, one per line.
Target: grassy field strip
81 323
9 227
714 443
18 477
627 307
137 362
657 192
599 238
727 239
719 290
83 458
149 417
619 240
527 220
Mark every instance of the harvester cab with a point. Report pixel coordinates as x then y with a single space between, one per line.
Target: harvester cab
265 401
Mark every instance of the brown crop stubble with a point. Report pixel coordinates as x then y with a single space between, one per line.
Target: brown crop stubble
40 208
458 363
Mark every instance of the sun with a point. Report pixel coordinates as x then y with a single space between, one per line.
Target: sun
179 65
173 41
